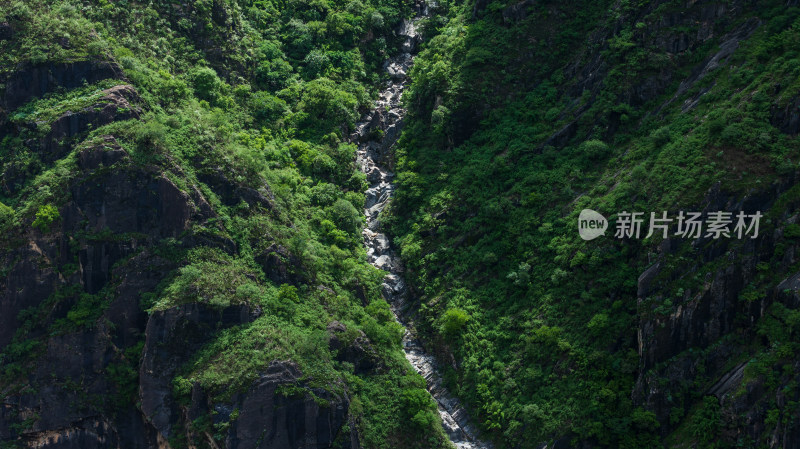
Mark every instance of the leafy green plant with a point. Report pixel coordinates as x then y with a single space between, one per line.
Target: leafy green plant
45 217
453 321
419 407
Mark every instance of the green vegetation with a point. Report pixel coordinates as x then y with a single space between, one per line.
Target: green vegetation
45 217
520 115
486 204
235 95
51 106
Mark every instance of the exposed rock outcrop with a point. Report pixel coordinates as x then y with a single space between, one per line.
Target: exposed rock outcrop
171 338
231 193
6 32
280 266
787 117
358 352
696 344
310 420
33 81
118 103
127 201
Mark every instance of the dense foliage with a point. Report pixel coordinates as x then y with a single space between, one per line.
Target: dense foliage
520 114
543 324
260 93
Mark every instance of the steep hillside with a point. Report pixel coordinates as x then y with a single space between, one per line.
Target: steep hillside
182 200
523 113
181 229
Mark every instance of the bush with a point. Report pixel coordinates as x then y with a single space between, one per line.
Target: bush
206 84
705 422
345 215
453 321
267 108
45 217
661 136
380 311
6 215
594 149
419 407
326 106
598 324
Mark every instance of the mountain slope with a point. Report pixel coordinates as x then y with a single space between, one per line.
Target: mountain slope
181 215
523 113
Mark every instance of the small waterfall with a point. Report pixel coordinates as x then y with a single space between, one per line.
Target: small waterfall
376 134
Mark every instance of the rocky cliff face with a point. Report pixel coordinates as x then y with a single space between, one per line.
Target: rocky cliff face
182 262
718 317
524 117
74 389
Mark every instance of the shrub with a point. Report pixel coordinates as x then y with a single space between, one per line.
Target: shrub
705 422
594 149
326 106
380 311
45 217
6 215
267 108
792 231
419 407
206 84
598 324
453 321
661 136
346 216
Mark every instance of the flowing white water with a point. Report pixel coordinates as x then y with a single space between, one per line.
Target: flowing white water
375 135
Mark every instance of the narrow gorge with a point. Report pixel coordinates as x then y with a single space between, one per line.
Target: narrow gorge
356 224
376 135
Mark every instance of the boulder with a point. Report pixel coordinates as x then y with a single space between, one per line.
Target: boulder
6 32
280 266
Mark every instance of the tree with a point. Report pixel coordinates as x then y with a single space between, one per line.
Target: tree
206 84
453 321
419 407
45 217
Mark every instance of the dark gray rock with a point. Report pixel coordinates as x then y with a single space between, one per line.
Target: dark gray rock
270 420
690 343
563 136
34 81
118 103
232 193
359 352
71 388
6 32
646 279
479 8
280 266
787 118
730 43
172 336
517 11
